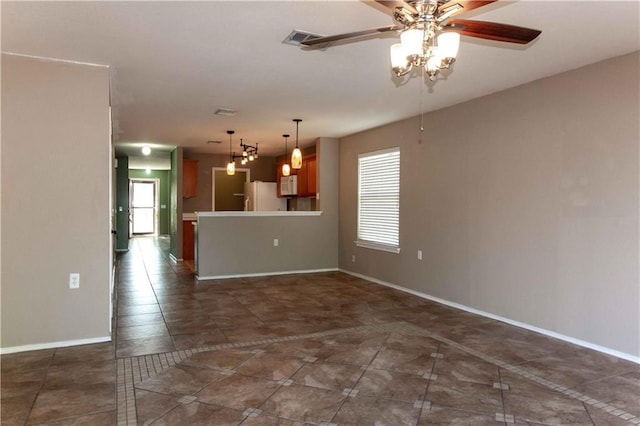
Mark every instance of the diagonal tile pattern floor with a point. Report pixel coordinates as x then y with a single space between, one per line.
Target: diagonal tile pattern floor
317 349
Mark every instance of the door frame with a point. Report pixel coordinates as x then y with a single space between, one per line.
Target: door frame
156 204
213 182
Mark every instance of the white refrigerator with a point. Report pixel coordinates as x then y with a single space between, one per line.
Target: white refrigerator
263 196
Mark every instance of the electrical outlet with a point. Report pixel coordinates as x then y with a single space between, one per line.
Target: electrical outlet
74 280
275 242
419 254
353 258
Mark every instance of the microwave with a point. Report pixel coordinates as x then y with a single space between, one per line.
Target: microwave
289 185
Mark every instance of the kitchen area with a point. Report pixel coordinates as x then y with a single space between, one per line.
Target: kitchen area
258 221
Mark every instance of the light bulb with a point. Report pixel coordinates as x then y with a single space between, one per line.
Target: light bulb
146 150
251 157
231 168
286 170
244 153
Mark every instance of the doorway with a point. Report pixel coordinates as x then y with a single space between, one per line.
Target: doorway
228 191
144 207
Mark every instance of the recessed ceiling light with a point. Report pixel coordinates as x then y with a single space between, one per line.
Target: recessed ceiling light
146 150
226 112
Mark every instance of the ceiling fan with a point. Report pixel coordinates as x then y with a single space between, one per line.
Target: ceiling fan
429 36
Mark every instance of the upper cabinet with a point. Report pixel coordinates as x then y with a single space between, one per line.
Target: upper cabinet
189 178
307 179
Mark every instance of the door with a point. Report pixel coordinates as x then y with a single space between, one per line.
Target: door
143 207
228 191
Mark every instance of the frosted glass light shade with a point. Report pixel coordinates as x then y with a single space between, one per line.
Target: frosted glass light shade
433 63
146 150
231 168
398 56
448 43
286 170
296 159
412 41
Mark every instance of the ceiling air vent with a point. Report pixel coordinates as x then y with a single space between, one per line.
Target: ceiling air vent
226 112
296 37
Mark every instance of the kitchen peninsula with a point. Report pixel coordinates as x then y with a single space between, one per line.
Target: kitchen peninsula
253 243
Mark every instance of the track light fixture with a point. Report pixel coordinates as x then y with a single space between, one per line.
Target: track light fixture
249 152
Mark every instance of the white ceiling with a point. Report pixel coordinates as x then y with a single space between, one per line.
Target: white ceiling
173 64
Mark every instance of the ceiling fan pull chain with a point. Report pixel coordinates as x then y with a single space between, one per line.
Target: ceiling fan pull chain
421 104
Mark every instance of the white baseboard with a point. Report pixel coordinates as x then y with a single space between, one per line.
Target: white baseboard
53 345
526 326
266 274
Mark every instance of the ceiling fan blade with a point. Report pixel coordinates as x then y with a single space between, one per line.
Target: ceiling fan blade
394 4
456 7
329 39
492 31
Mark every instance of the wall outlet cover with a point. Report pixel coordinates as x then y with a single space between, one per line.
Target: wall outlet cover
74 280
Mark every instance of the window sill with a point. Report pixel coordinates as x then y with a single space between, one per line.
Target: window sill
377 246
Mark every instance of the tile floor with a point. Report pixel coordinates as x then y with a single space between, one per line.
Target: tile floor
317 349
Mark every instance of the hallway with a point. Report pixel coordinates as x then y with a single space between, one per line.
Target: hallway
322 349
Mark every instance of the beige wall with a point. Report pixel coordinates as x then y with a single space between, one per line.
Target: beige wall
524 203
55 202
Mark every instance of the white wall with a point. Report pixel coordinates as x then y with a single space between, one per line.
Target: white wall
55 202
524 202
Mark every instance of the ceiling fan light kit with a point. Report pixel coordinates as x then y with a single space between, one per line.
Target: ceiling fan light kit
428 38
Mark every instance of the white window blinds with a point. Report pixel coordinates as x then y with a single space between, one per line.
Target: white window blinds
379 200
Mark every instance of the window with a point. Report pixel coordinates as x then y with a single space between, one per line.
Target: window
379 200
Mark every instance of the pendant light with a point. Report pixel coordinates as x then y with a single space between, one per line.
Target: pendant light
296 155
231 166
286 170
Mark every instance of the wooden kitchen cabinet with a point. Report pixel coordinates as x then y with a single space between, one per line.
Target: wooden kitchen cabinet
307 186
312 187
188 251
189 178
307 180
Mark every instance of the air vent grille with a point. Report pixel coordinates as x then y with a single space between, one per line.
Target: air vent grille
226 112
296 37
